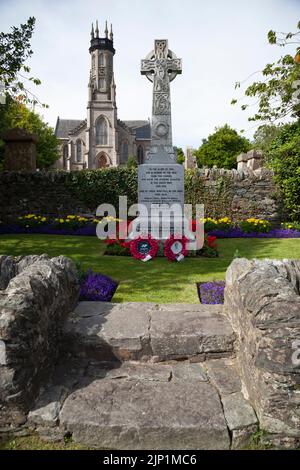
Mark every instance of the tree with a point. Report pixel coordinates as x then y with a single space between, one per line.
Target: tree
131 162
278 94
16 114
221 148
180 155
264 136
15 49
283 156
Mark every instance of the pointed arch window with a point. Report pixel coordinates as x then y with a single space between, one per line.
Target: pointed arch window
140 155
79 151
65 155
101 132
124 152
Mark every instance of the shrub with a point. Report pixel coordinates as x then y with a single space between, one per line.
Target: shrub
72 222
97 286
210 248
32 220
211 292
283 157
255 225
223 223
291 225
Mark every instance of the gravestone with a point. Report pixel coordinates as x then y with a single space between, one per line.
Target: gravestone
20 150
160 178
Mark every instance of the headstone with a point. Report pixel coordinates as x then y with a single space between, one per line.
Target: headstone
160 178
20 150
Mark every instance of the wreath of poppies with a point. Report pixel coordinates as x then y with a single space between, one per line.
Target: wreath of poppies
144 248
175 248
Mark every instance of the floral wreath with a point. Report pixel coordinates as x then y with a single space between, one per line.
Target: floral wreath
135 246
173 252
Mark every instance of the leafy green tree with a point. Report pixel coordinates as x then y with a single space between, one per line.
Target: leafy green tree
278 93
264 136
221 148
15 49
16 114
180 155
131 162
283 156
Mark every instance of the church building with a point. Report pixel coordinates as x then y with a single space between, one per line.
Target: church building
101 140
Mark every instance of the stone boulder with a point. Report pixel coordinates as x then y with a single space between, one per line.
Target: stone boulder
262 301
36 295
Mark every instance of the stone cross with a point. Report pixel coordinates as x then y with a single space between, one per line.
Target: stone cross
161 67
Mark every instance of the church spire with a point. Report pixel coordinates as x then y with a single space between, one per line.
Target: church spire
92 31
106 30
97 29
111 36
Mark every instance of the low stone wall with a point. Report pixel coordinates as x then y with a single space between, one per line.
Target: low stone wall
262 301
36 295
232 193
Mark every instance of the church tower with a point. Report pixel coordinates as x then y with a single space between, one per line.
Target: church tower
101 131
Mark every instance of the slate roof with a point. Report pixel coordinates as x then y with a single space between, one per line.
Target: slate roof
142 129
65 126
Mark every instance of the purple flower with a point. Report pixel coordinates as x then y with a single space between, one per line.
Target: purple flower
211 292
96 286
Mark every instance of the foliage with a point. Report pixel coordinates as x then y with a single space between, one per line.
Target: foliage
221 148
253 225
278 93
291 225
264 136
223 223
16 114
211 292
97 287
283 157
15 49
105 185
180 155
72 222
210 247
131 162
32 220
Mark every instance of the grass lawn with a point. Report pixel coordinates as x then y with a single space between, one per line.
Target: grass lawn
158 280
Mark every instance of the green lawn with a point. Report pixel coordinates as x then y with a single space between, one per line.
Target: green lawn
158 280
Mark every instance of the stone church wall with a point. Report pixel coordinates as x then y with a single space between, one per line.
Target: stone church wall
57 193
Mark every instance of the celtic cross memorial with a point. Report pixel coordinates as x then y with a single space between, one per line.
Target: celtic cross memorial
160 178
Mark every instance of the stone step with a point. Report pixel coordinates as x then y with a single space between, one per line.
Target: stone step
173 405
146 331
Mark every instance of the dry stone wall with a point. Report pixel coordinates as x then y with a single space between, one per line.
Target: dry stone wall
36 295
262 301
237 194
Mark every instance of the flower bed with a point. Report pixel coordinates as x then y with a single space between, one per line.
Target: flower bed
211 292
78 225
97 287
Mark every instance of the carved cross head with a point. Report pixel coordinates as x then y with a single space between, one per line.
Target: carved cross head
161 60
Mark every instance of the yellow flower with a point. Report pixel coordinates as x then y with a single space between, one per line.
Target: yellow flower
61 221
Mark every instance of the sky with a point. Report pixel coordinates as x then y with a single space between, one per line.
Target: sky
220 42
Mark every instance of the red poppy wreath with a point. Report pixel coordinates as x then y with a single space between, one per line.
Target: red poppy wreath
175 248
144 248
